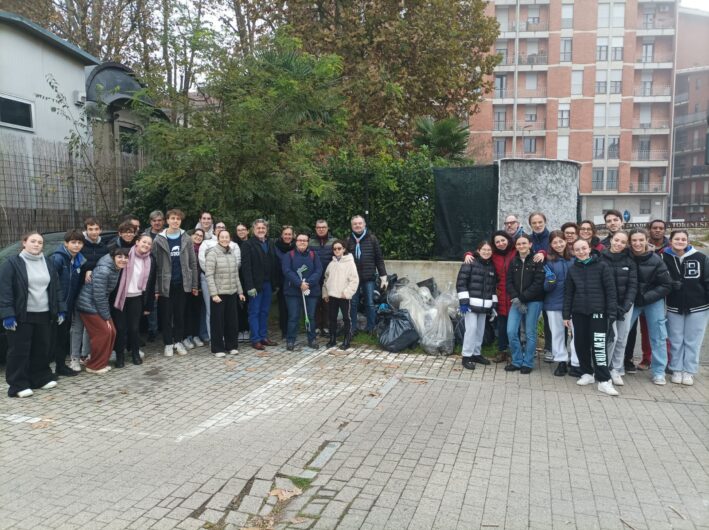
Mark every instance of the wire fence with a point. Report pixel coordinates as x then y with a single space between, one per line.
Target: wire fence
46 188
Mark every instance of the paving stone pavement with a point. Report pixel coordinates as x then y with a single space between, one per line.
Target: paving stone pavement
358 439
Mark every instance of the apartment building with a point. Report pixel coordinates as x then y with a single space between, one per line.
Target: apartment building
589 81
690 190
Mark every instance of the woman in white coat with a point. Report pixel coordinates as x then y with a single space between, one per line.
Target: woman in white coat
340 284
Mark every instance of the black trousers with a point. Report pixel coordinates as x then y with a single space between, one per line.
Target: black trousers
172 313
322 314
630 342
282 312
590 341
61 341
223 322
193 314
335 305
119 320
28 354
547 332
242 312
132 313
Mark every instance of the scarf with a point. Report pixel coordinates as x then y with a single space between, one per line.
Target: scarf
284 247
358 247
122 291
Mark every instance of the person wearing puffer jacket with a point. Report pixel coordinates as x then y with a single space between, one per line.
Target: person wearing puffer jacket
654 284
687 305
225 291
477 295
525 287
590 302
95 310
338 288
625 273
555 272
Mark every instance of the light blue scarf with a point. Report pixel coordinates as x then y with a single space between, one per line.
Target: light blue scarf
358 248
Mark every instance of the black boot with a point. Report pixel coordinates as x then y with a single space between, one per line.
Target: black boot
120 359
346 343
136 358
333 340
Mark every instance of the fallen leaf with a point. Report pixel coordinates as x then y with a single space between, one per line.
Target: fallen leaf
251 369
230 365
262 354
419 381
391 366
298 520
284 494
374 394
43 424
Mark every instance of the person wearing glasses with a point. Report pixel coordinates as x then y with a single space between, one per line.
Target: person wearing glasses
242 235
587 232
302 271
513 227
571 234
339 285
322 243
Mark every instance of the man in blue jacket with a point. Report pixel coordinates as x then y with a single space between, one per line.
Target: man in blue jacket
67 261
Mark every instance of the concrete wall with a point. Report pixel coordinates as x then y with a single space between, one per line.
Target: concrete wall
549 186
442 271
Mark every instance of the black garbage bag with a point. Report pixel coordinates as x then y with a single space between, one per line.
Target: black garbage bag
396 331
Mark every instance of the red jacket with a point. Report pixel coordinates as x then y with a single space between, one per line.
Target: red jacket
502 263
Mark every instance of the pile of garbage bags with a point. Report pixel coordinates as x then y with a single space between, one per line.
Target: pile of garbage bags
418 313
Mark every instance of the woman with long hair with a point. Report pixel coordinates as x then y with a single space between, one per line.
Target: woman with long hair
196 326
687 305
503 252
30 301
587 232
477 296
555 273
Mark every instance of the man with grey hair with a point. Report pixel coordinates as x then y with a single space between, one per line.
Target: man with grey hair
513 227
364 246
157 224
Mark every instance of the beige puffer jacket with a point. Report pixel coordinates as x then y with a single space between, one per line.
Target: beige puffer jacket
222 272
341 278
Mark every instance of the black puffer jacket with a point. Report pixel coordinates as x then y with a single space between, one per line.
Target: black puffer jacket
477 285
625 274
525 280
590 288
654 282
371 261
690 278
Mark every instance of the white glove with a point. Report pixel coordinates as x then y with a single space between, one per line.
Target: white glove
60 320
384 282
493 315
306 292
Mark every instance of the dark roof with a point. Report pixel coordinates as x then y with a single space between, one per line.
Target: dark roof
50 38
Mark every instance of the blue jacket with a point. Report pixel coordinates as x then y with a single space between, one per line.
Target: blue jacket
69 274
291 262
94 296
540 241
554 285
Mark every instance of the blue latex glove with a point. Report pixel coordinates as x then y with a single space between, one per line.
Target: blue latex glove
549 274
464 308
10 323
61 317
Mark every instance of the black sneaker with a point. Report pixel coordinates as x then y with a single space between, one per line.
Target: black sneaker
290 346
469 363
575 371
63 369
630 367
525 370
511 368
313 345
561 369
480 359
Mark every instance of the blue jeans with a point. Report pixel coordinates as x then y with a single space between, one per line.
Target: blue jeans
368 289
295 313
204 327
259 307
657 328
502 342
514 321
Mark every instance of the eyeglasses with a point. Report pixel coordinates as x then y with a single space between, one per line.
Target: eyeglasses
302 240
337 248
511 222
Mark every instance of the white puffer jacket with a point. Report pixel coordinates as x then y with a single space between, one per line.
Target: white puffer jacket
341 278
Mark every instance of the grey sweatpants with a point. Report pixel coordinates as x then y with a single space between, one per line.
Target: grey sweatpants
686 333
80 344
616 349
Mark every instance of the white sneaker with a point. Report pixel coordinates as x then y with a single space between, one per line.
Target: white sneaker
234 352
141 353
75 365
585 379
169 350
548 356
180 348
188 344
49 385
100 371
27 392
687 379
659 380
220 354
676 378
616 378
607 388
197 342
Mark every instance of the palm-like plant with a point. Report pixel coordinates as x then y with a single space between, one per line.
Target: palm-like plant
446 138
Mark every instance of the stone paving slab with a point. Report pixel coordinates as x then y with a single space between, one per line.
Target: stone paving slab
374 440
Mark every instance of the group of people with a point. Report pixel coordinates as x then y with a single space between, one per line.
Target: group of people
86 300
591 294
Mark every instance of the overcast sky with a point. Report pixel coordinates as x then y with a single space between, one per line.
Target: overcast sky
696 4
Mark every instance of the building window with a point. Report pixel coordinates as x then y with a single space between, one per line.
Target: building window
601 82
564 116
618 18
604 15
644 181
566 49
612 179
562 147
532 16
501 50
16 113
613 115
617 49
500 86
648 52
599 115
530 113
500 120
530 145
597 181
613 147
607 204
499 145
645 206
577 82
599 147
602 49
567 16
616 85
697 83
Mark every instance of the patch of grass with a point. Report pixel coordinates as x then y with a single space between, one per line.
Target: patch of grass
300 482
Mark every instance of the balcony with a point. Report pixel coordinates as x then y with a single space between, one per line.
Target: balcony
656 126
653 185
652 93
691 200
532 94
655 61
682 97
532 61
691 173
689 146
539 153
688 120
656 28
530 25
649 158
